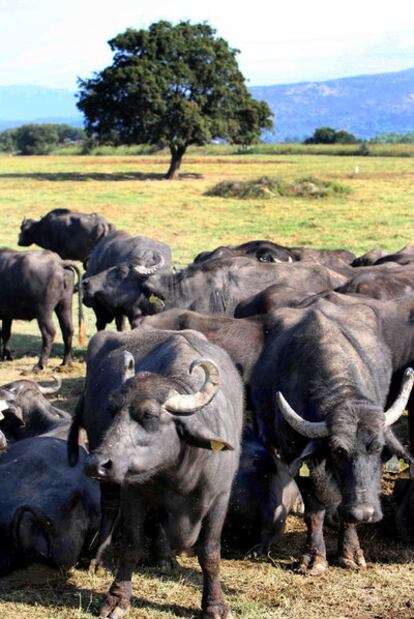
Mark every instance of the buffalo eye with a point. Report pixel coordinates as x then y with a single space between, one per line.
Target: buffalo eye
374 447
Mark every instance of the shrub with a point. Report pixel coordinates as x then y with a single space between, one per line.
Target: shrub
266 187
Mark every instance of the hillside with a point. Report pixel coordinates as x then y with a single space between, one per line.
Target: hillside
366 105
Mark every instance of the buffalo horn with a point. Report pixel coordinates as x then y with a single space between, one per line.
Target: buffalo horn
128 365
396 410
310 429
143 270
290 259
49 390
186 404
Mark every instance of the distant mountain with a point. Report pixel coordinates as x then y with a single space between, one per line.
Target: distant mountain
365 105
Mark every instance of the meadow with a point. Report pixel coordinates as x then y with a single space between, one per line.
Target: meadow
130 191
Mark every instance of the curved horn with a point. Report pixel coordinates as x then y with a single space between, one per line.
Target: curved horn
310 429
128 365
143 270
290 259
49 390
186 404
24 220
396 410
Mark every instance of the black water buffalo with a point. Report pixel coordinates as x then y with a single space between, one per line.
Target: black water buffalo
242 339
381 282
267 251
35 284
173 444
49 511
403 256
302 280
26 411
117 249
263 495
70 234
319 391
215 286
369 258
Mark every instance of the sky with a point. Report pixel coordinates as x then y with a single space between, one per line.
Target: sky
52 42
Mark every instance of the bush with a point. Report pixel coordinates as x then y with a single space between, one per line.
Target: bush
265 187
36 139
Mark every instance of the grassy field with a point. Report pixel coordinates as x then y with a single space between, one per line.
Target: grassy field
131 192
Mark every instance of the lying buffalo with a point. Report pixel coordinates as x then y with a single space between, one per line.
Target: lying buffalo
35 284
263 495
172 443
49 511
268 251
381 282
70 234
319 390
116 250
26 411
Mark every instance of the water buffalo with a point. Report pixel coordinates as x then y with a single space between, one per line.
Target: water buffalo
319 390
403 256
35 284
173 444
381 282
49 511
26 411
117 249
263 495
70 234
267 251
369 258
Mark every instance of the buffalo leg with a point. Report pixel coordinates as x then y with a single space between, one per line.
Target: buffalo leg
118 598
208 552
120 322
110 501
161 552
5 334
48 331
313 560
350 554
64 313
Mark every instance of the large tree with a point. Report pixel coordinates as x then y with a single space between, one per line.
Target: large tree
171 86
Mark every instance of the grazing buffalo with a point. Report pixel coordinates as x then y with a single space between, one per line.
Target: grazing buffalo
173 445
35 284
49 511
124 252
70 234
319 390
263 495
267 251
26 411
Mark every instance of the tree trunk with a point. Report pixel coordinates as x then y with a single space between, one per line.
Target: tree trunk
175 164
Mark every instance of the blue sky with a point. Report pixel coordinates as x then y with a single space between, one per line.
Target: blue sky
51 42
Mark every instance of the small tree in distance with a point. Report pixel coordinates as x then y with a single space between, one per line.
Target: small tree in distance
171 86
327 135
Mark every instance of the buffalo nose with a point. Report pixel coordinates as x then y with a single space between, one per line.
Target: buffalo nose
360 513
98 467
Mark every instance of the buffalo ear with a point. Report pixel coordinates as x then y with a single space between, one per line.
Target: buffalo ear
196 434
309 450
13 414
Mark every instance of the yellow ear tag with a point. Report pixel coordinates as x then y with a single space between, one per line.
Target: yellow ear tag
153 298
216 446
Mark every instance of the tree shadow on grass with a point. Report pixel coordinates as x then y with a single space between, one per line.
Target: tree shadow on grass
94 176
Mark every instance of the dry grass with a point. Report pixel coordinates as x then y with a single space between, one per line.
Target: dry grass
131 192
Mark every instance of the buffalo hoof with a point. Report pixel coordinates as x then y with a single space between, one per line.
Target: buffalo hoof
219 611
257 552
114 608
7 356
353 561
312 564
96 568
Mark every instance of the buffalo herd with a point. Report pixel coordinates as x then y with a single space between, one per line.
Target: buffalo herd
196 422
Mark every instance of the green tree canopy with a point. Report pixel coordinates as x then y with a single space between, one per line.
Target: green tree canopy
328 135
35 139
171 86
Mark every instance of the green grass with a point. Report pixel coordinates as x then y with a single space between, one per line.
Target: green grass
130 191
